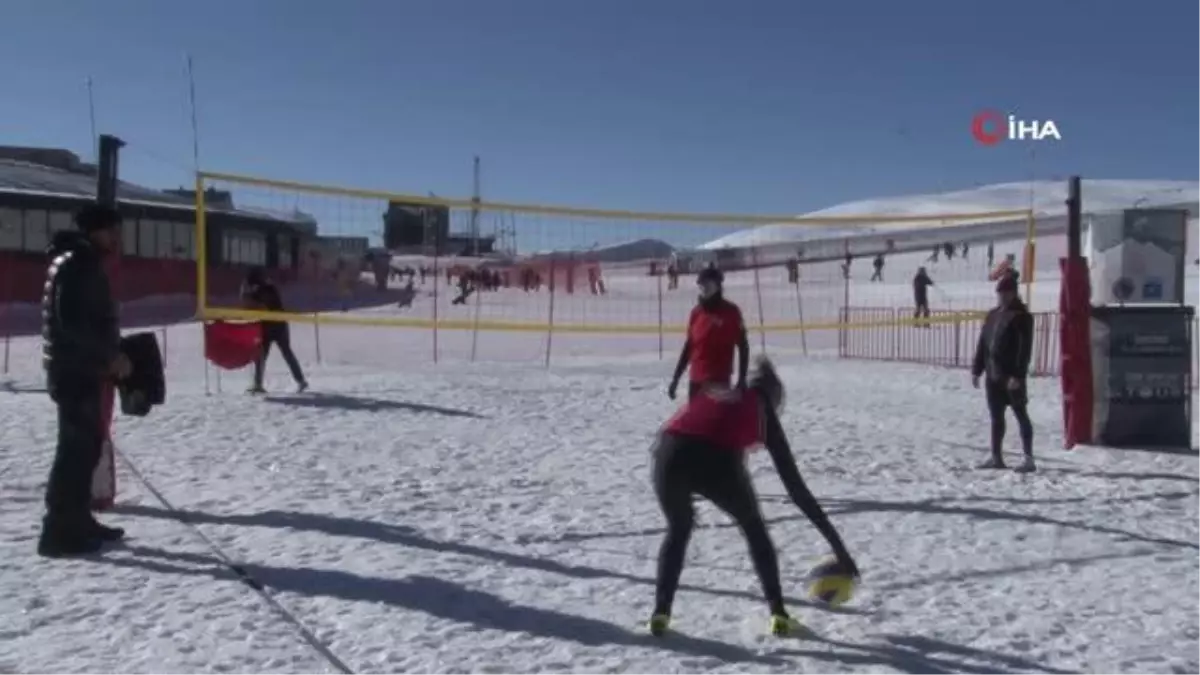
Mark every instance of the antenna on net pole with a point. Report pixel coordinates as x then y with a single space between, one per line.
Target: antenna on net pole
191 75
92 119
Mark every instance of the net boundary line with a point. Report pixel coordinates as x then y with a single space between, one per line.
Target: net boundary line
230 314
238 570
204 177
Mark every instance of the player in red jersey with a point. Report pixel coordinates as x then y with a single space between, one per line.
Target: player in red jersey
701 451
715 330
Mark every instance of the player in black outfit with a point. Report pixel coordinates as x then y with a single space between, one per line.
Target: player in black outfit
81 353
686 466
264 295
1003 354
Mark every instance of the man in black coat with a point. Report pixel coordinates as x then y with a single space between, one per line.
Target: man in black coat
921 283
81 354
259 293
1003 354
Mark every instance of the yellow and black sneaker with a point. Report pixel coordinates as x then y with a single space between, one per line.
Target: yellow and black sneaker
658 624
783 625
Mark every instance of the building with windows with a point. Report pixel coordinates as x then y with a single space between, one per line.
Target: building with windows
425 229
40 190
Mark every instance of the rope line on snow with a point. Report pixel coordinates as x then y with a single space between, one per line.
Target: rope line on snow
239 571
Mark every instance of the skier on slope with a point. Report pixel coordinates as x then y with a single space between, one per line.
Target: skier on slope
701 451
715 331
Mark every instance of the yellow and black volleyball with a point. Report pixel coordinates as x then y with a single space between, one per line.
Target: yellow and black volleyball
830 585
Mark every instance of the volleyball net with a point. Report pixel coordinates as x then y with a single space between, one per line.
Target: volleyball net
453 270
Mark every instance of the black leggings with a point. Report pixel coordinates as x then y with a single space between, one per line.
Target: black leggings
1000 397
684 467
279 335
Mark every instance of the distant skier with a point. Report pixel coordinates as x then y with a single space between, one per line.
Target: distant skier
921 283
701 451
261 294
715 331
878 265
1003 353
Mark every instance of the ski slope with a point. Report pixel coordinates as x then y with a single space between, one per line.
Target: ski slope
498 517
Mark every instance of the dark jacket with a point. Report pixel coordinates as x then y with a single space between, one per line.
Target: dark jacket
264 296
1005 343
921 283
80 331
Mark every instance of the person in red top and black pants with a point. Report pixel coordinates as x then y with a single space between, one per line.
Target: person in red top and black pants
701 452
715 330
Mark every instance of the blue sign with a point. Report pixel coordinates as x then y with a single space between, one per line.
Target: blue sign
1152 289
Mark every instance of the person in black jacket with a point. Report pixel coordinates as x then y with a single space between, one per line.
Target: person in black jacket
81 354
701 451
921 283
1003 354
261 294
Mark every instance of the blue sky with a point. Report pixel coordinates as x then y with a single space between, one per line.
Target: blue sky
759 107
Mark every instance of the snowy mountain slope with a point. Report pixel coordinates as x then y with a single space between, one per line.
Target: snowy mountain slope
1046 198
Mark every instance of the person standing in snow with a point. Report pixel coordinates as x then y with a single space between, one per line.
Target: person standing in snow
261 294
81 341
715 331
701 451
1003 354
921 283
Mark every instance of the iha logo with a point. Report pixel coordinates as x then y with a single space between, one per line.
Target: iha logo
990 127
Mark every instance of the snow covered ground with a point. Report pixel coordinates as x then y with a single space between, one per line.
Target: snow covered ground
498 517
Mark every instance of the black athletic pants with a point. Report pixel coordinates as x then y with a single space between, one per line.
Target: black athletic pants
277 334
685 467
80 444
1000 397
921 310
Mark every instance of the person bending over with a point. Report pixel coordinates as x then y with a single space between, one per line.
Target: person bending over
701 451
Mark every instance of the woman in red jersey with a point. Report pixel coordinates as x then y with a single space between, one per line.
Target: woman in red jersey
715 330
701 451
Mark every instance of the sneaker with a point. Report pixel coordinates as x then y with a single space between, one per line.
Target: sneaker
256 389
992 463
782 625
1026 466
658 624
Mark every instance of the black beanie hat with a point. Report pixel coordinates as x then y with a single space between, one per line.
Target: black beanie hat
1007 284
95 217
710 274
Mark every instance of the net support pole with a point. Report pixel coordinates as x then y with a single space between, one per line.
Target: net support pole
475 318
1030 256
762 321
550 318
317 335
800 318
661 346
201 244
437 280
6 314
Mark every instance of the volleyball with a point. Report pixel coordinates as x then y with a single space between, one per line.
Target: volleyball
830 585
